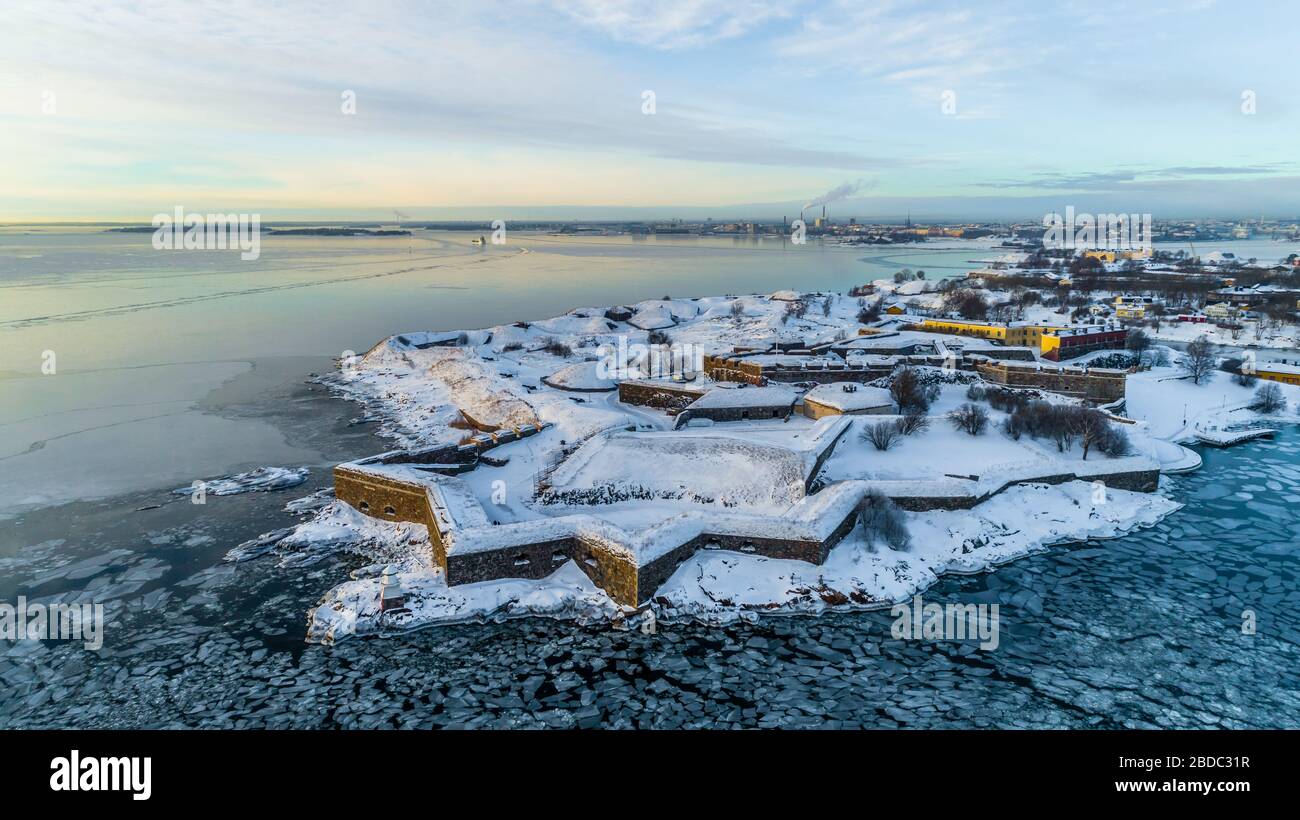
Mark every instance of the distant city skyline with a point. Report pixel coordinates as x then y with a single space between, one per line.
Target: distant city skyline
540 110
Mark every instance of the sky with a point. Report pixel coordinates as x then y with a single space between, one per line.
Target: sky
675 108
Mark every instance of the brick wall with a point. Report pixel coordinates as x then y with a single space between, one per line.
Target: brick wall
1092 386
667 397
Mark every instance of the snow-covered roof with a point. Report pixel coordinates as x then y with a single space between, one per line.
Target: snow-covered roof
750 396
793 360
653 318
858 397
1279 367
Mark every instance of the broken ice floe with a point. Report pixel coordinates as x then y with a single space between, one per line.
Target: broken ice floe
261 479
338 528
310 503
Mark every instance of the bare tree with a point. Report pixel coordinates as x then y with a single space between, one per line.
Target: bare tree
907 391
882 519
1198 361
970 418
881 434
1090 426
1268 399
1137 340
913 421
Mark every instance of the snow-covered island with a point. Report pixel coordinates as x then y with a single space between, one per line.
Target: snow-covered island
718 458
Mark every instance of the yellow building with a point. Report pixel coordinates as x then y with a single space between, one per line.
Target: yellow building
1130 307
1222 310
964 327
1015 335
1279 372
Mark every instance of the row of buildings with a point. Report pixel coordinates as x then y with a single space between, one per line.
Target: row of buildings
1054 342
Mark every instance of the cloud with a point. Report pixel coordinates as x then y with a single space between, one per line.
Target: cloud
1125 179
674 24
930 47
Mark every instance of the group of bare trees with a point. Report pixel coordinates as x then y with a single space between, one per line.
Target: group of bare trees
966 302
886 433
869 310
1065 424
913 397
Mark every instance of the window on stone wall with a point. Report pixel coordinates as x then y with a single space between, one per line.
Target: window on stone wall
365 505
389 510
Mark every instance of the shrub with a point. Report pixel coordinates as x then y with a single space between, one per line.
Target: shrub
658 337
557 348
737 309
881 434
913 422
882 520
1114 442
870 312
1155 357
511 347
970 418
1268 399
1005 399
977 392
1013 427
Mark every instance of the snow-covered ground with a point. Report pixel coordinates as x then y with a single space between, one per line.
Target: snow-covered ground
423 391
1174 408
1250 335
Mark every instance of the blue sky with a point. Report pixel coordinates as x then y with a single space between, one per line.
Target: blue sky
535 109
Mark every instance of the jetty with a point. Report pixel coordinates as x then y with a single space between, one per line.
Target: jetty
1227 438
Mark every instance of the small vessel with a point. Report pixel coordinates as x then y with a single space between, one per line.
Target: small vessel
479 241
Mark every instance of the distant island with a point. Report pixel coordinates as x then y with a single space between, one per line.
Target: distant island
288 231
339 232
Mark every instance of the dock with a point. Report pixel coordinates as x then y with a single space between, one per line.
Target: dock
1227 438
